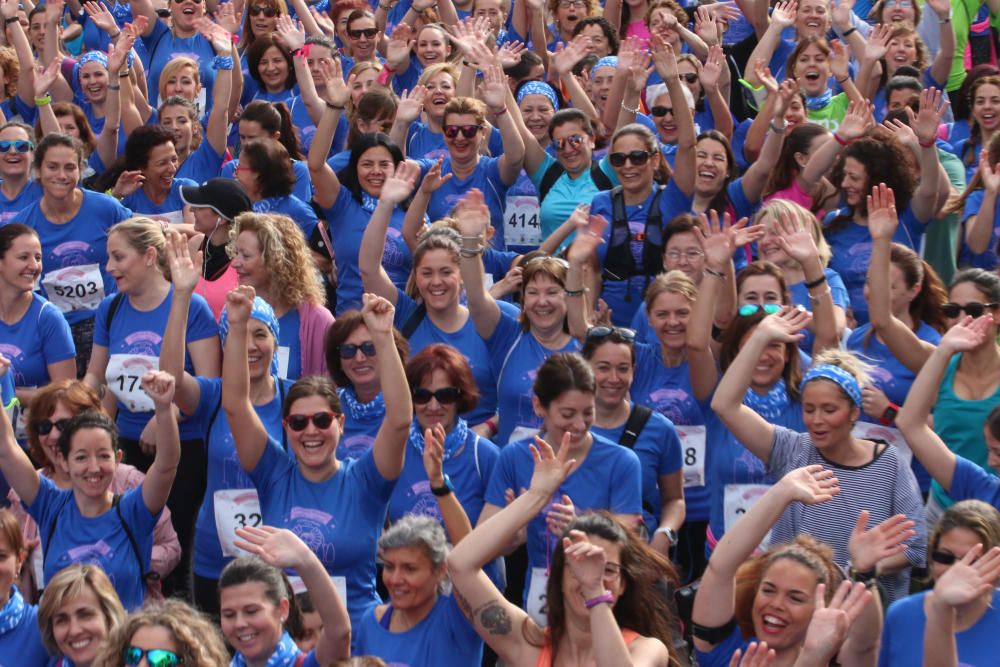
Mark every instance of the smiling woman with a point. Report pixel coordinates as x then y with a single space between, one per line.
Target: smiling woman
78 612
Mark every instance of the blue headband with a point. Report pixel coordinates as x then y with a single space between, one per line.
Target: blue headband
606 61
89 57
262 312
844 380
538 88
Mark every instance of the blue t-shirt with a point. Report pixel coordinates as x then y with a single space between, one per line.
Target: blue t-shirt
625 296
172 208
969 481
41 337
467 341
340 518
306 128
486 178
360 429
348 218
422 142
800 297
987 259
289 345
443 637
659 452
22 644
163 46
300 170
75 254
515 356
722 652
290 205
29 194
224 469
204 163
903 634
100 540
134 341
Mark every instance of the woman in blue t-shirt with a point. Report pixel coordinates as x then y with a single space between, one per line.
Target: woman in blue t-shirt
338 506
265 172
146 179
20 640
258 601
269 63
77 614
17 188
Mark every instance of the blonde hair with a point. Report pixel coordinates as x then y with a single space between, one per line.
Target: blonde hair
552 268
673 282
286 256
466 106
69 584
198 641
174 66
435 69
776 207
441 236
143 233
848 361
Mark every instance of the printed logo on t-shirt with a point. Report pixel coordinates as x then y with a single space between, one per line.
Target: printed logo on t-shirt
355 446
315 528
15 355
673 403
424 502
98 553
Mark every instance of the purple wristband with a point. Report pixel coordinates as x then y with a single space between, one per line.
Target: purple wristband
600 599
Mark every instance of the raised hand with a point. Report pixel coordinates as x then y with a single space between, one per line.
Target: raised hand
118 52
869 547
96 12
840 61
185 267
551 469
337 92
239 304
878 42
664 58
324 21
882 218
829 624
46 77
903 133
560 515
941 7
568 55
160 387
928 119
967 334
217 35
718 238
411 104
509 53
784 14
433 179
857 120
874 401
275 546
495 89
812 484
763 74
795 239
586 562
434 454
225 17
705 25
401 184
292 35
969 578
377 313
841 14
756 655
473 216
788 89
638 71
989 174
127 183
711 71
589 235
400 44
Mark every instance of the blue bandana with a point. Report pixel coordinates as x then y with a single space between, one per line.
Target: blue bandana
13 612
771 405
844 380
89 57
374 410
285 654
606 61
538 88
820 101
452 441
368 203
261 312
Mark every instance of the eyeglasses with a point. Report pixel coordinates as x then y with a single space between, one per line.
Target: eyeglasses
690 77
691 255
637 158
659 112
612 571
241 167
444 395
748 309
573 141
349 350
19 145
953 310
363 32
44 426
567 4
155 657
601 332
468 131
944 558
320 420
257 10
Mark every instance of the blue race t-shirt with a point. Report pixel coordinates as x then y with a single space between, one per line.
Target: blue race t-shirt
969 481
22 643
300 170
443 637
987 259
162 46
204 163
486 178
170 211
289 345
422 142
296 209
40 338
10 207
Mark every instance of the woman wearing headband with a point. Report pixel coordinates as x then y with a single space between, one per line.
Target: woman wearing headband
873 476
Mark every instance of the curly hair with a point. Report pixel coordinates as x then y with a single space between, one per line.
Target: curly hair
285 254
196 638
11 70
886 157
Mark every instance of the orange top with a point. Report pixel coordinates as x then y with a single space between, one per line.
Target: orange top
545 657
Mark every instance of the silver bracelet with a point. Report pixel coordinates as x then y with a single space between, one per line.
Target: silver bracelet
630 110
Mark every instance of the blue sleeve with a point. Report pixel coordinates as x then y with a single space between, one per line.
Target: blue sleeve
722 652
672 202
57 338
536 178
496 143
504 477
489 454
201 323
738 198
645 121
101 334
969 481
376 485
973 203
303 186
152 40
209 396
49 501
671 459
503 337
841 297
140 520
404 306
273 462
626 494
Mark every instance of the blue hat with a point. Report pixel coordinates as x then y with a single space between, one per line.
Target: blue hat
538 88
261 312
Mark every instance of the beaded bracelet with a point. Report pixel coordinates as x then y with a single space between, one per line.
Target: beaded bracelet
222 63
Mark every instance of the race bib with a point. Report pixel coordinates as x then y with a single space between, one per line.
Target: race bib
537 597
75 287
521 225
284 354
693 450
869 431
522 433
124 378
738 499
235 508
340 583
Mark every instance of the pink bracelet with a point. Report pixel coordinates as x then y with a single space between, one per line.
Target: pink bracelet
600 599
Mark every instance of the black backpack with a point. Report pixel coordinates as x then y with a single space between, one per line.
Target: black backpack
556 170
619 265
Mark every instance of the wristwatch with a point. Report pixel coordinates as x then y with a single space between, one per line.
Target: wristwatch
443 490
888 417
669 532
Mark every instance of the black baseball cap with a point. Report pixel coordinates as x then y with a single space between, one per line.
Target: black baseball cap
225 196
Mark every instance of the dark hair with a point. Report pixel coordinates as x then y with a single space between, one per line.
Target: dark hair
270 160
885 157
312 385
961 104
349 175
682 223
58 139
323 40
606 28
721 199
590 345
141 143
798 140
376 102
341 6
62 110
251 569
985 281
969 155
803 44
902 82
732 341
360 14
571 115
957 204
522 68
74 394
87 419
439 356
340 331
993 422
926 305
562 372
273 118
10 233
255 53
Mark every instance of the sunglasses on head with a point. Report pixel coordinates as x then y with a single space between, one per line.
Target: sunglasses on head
44 426
444 395
155 657
573 141
468 131
366 32
320 420
660 111
349 350
637 158
690 78
748 309
953 310
601 332
257 10
19 145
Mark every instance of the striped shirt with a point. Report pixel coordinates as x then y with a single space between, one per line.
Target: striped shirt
885 487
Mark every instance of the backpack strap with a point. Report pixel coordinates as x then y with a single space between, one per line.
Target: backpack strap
652 243
116 503
601 180
413 321
637 419
549 179
116 303
618 262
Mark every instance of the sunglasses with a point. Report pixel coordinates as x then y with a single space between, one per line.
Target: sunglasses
155 657
748 309
572 3
44 426
180 2
363 32
468 131
690 78
573 141
601 332
444 395
163 13
19 145
257 10
660 112
944 558
349 350
637 158
953 310
320 420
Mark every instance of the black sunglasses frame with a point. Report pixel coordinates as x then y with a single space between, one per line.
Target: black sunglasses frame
299 423
444 395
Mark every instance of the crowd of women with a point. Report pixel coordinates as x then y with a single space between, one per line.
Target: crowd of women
521 332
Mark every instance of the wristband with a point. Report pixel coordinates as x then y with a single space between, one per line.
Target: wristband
866 577
629 109
848 31
841 140
712 272
814 298
114 86
575 292
114 37
944 20
600 599
778 130
840 81
331 105
816 283
384 76
12 19
493 423
123 74
497 114
222 63
469 253
43 101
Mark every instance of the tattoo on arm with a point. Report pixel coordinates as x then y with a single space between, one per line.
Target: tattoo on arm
494 618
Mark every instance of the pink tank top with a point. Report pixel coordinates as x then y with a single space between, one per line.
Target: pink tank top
215 291
545 657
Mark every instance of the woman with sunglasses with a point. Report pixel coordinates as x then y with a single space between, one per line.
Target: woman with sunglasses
340 505
961 610
165 634
18 189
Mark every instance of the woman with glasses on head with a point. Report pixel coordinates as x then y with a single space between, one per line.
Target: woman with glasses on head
339 506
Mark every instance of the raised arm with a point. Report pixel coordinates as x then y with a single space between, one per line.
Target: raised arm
22 48
15 465
715 604
979 227
473 220
416 212
411 104
160 476
43 82
395 190
710 74
757 175
185 271
326 185
870 68
933 181
782 17
747 426
496 93
456 521
390 441
941 66
635 69
684 161
855 124
218 119
765 116
566 58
